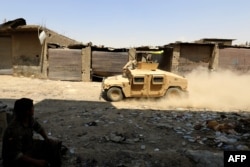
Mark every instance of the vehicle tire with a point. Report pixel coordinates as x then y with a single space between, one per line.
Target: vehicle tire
114 94
174 93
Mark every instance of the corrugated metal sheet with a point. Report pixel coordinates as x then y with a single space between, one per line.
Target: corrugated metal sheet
108 63
65 64
236 59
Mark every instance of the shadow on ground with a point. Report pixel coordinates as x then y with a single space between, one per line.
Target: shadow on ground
99 134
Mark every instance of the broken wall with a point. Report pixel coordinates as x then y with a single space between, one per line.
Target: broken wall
53 37
26 53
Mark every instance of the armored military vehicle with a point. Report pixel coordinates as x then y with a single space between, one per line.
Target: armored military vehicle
144 80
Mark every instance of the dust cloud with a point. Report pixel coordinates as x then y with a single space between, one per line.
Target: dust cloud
216 90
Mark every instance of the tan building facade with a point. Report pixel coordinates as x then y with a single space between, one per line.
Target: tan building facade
22 52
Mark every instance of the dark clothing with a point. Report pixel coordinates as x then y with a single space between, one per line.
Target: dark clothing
18 140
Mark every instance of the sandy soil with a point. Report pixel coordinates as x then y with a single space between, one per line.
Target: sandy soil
133 132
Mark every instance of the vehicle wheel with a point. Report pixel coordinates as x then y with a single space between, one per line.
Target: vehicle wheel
174 93
114 94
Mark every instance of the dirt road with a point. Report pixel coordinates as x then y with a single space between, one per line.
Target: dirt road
134 132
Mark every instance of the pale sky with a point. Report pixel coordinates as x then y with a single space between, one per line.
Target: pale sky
133 23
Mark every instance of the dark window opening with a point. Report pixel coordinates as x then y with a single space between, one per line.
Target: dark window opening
158 80
138 80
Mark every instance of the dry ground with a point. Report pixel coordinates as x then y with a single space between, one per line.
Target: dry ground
141 132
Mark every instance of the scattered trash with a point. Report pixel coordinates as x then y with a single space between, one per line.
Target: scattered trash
225 139
222 127
91 124
143 147
115 137
156 149
230 131
72 150
242 147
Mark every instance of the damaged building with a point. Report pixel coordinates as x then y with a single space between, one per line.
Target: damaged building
24 48
35 51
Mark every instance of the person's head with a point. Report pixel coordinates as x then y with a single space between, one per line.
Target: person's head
23 108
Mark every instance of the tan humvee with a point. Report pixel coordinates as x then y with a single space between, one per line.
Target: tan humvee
143 81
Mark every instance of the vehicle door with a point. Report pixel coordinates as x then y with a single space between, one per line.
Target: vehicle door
139 85
156 87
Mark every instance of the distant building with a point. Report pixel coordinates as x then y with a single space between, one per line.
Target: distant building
211 53
227 42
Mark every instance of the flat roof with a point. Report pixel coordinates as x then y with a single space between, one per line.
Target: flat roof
216 39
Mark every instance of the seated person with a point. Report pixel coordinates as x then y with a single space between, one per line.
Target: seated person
19 149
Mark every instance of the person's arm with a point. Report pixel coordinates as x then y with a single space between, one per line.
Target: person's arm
43 134
40 130
46 138
33 162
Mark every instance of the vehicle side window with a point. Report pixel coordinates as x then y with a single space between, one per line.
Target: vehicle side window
157 79
139 80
